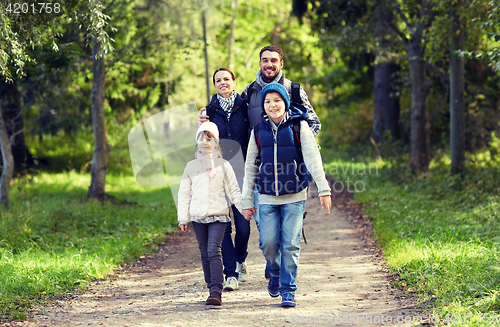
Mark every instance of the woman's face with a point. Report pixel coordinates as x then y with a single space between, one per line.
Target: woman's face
274 106
224 83
205 143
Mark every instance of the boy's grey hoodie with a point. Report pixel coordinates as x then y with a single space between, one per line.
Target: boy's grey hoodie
312 160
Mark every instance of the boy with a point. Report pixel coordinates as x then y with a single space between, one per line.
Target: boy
281 170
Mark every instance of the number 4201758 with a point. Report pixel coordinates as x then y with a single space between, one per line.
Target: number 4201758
40 7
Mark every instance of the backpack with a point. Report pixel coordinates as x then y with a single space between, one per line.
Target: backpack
295 88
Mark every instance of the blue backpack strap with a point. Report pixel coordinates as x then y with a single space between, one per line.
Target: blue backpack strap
256 132
296 133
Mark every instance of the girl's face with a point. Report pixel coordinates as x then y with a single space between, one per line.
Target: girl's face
205 143
274 107
224 83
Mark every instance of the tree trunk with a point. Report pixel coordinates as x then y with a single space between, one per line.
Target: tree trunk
234 10
385 103
420 138
204 22
275 38
14 125
101 152
7 163
457 137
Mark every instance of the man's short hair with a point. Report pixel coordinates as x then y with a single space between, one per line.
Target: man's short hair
271 48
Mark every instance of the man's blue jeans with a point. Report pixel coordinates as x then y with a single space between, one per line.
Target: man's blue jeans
237 251
280 227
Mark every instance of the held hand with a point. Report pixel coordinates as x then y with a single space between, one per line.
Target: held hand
326 202
248 213
184 228
202 116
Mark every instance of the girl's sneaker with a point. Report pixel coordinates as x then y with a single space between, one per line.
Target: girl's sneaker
241 269
215 298
288 300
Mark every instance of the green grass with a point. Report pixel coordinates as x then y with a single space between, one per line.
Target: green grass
52 240
440 234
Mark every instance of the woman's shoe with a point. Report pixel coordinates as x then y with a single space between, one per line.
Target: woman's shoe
231 284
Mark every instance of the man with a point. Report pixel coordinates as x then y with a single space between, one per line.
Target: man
271 65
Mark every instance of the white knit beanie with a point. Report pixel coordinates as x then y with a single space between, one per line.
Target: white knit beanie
210 127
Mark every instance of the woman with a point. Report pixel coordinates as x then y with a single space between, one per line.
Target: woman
229 112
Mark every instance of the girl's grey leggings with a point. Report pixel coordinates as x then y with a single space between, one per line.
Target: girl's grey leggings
209 238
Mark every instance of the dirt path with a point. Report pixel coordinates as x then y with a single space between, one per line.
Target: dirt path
340 282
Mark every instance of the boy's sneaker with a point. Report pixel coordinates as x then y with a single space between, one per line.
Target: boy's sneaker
274 286
231 284
241 269
288 300
215 298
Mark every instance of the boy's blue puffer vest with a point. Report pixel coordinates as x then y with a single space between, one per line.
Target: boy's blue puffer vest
293 176
236 128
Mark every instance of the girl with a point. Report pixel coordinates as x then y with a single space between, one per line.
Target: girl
229 112
202 200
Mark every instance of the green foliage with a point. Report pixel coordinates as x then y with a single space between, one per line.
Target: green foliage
440 233
52 241
36 23
488 23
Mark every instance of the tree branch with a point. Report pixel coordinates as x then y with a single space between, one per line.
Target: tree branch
13 136
441 73
401 34
403 17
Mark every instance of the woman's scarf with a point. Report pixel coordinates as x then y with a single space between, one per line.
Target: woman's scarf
227 103
208 163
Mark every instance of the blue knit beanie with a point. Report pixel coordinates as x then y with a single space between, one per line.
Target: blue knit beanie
275 87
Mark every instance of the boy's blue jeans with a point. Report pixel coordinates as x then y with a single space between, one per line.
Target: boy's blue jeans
280 228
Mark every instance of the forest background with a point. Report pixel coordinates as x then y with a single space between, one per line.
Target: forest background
384 76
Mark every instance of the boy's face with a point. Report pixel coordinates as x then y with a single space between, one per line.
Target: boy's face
274 106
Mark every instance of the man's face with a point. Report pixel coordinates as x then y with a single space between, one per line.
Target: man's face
270 65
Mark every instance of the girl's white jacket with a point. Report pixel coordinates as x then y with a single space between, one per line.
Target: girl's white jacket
200 195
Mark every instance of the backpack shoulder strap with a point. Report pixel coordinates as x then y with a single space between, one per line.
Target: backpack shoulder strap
295 87
256 132
296 133
249 93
